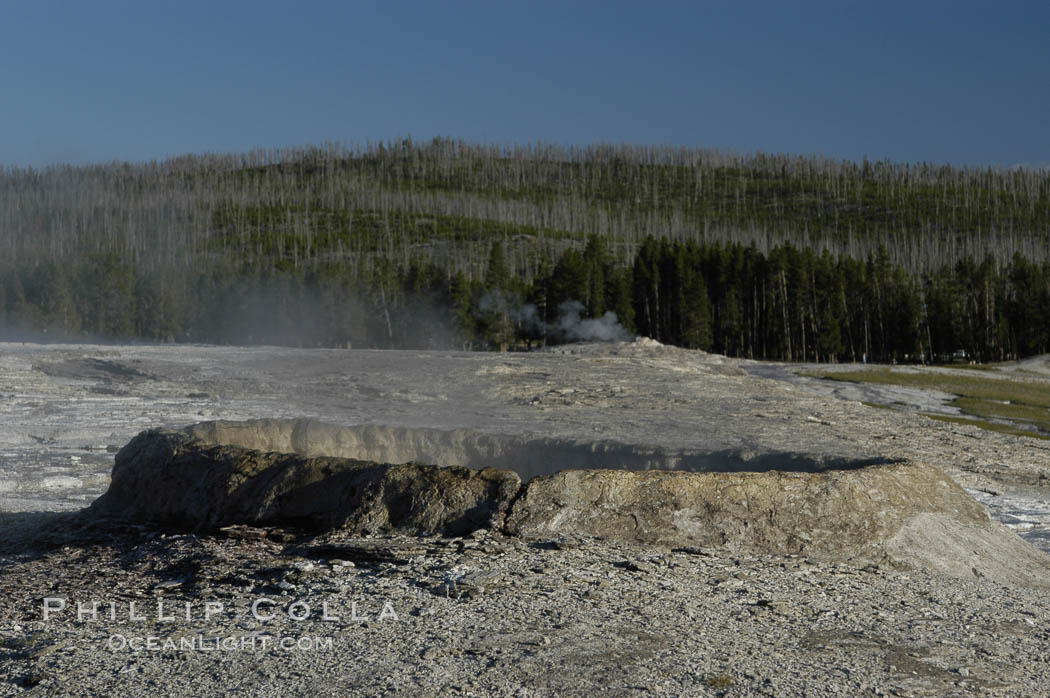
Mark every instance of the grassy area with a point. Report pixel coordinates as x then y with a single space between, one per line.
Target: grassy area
990 426
987 399
999 389
1015 412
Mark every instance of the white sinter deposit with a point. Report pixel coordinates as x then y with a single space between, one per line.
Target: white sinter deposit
67 408
491 614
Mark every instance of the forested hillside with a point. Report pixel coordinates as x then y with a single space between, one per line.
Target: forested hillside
448 244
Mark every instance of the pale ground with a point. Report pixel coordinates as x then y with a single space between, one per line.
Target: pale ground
502 617
66 408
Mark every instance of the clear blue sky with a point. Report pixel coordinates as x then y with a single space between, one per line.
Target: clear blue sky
958 82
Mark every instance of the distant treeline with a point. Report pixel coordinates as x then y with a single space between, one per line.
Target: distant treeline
449 244
790 304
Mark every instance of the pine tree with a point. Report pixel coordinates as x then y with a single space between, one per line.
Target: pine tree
109 289
462 310
570 281
596 267
646 288
497 275
829 340
695 311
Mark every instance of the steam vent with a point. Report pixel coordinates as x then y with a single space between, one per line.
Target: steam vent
373 479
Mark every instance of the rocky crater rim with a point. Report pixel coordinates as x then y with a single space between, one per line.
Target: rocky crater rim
370 480
528 457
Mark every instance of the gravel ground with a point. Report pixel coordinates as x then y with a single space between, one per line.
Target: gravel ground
498 616
486 615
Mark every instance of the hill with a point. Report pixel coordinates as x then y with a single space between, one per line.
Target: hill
451 244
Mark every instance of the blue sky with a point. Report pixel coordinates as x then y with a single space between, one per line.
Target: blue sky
957 82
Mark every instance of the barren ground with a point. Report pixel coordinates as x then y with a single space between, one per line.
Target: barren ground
504 617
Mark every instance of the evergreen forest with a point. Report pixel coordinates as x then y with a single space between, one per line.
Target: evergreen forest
447 244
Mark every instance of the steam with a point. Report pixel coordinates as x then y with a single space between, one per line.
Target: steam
569 326
496 302
575 328
527 317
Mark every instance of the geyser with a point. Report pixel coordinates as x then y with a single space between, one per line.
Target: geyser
375 479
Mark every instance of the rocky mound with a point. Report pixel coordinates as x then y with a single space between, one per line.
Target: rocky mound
273 472
173 479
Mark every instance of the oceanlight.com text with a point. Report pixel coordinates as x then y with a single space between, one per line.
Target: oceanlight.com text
208 643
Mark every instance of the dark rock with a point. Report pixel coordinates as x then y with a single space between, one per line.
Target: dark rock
172 479
364 552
